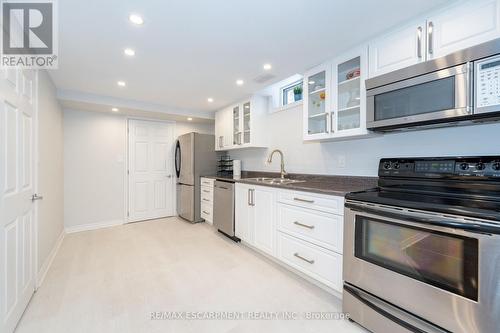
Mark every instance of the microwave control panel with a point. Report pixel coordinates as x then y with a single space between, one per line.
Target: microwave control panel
487 85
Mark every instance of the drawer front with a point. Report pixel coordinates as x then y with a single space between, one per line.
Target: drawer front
323 229
325 203
320 264
207 182
207 212
207 195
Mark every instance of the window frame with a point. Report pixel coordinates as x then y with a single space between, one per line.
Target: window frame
288 86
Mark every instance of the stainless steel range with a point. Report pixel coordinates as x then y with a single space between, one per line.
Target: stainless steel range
422 251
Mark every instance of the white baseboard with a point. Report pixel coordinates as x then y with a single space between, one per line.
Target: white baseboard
93 226
48 261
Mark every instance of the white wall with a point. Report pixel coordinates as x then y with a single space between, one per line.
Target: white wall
362 156
50 170
95 146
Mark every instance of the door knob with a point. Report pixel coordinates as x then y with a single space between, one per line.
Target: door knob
35 197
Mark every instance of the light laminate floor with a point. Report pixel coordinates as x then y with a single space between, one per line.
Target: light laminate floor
111 280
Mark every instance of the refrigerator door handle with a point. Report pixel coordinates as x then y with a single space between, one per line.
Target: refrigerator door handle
178 159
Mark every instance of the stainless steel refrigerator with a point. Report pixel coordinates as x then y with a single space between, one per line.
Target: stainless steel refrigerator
194 157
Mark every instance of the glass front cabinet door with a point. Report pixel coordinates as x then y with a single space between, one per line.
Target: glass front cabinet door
335 98
317 120
349 73
246 122
236 125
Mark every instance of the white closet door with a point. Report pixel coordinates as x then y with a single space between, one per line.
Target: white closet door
17 213
150 165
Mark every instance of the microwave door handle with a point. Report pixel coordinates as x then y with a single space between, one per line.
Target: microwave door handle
419 42
430 32
438 222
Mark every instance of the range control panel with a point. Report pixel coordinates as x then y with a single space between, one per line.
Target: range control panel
488 166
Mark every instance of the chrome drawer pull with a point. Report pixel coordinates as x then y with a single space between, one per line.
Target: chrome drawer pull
303 225
206 191
303 200
206 212
206 183
302 258
206 200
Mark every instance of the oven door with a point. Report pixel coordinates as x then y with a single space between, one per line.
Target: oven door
442 269
431 98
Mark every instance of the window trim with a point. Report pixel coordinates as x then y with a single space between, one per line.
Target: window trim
293 84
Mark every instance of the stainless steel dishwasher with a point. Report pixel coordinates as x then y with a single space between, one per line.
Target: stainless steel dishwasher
224 208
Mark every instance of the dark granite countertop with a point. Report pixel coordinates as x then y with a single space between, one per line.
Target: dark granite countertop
323 184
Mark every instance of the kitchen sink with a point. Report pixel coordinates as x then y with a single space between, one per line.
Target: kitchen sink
275 181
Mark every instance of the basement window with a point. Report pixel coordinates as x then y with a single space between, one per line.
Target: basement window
291 93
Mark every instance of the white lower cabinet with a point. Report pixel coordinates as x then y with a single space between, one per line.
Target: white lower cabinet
264 218
302 230
316 227
255 216
207 199
315 261
244 213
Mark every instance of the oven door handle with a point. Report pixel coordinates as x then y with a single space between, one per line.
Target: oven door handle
476 227
381 311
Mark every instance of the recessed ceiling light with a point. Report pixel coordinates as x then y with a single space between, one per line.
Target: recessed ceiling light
210 100
121 83
239 82
115 109
189 119
136 19
130 52
267 67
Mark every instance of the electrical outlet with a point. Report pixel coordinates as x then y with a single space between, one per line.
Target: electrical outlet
341 161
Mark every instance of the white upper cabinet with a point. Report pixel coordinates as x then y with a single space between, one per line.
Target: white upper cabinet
317 103
223 129
242 124
463 26
349 73
451 29
402 48
334 98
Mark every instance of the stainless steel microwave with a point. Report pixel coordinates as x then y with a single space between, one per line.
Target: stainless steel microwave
459 88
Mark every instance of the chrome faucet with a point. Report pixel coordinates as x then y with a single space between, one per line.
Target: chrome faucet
270 159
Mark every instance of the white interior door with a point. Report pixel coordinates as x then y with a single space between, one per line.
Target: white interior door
17 214
150 165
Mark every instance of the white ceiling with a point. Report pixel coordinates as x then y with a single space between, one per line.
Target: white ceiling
189 50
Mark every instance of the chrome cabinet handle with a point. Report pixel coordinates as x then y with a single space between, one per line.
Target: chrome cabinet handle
36 197
332 130
303 225
206 191
310 261
253 197
303 200
419 42
206 212
248 197
430 32
204 199
169 176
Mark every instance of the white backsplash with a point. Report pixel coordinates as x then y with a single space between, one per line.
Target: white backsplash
360 157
